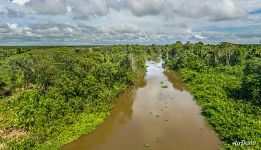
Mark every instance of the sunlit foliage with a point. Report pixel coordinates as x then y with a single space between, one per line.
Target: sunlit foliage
56 94
225 79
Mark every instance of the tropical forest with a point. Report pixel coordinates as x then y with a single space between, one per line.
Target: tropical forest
130 75
52 95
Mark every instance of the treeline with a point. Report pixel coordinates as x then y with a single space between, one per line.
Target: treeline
54 95
225 79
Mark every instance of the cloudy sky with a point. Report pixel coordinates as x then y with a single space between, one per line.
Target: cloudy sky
84 22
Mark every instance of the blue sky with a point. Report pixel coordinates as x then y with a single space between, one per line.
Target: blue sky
85 22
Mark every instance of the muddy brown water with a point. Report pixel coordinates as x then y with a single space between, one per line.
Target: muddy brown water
156 114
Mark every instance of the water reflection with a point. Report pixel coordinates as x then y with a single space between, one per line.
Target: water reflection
120 114
146 113
174 77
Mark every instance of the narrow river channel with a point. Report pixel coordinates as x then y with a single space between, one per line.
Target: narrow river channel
156 114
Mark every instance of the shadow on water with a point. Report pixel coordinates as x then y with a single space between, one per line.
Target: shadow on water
174 77
120 114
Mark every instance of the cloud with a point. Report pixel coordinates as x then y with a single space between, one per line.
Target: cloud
120 28
48 7
52 29
221 11
87 29
99 7
194 11
17 31
20 2
145 7
47 30
198 36
128 21
249 35
84 10
4 29
226 11
253 12
116 4
2 8
80 9
173 25
12 13
138 7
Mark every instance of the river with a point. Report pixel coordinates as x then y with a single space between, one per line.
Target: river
157 113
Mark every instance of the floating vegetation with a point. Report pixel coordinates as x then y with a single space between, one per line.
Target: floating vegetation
158 140
146 145
164 86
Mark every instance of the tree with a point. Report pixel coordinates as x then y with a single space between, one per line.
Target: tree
252 80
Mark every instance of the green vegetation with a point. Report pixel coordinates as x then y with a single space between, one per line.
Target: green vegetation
164 86
147 145
225 79
51 96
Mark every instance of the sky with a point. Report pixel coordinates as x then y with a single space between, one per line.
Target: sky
95 22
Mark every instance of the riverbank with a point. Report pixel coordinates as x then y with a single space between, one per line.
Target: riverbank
51 96
225 81
157 114
233 119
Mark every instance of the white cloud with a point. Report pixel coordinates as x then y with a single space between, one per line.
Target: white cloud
82 9
226 11
13 26
20 2
199 36
16 30
126 21
217 11
68 30
69 9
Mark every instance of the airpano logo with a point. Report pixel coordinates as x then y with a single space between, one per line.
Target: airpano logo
244 143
